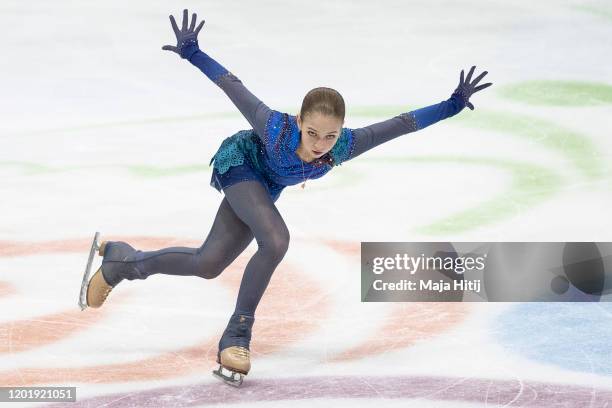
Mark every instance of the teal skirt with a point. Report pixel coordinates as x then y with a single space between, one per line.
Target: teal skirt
243 172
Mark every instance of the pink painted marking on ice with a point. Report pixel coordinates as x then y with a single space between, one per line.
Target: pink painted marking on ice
470 390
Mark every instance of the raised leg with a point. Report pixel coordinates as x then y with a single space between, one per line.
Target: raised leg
227 239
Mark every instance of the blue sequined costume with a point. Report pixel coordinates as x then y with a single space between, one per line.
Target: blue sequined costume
268 151
273 156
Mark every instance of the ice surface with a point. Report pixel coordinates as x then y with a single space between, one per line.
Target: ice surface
101 130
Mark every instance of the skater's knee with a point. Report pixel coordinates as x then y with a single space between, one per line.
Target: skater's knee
207 268
275 244
207 273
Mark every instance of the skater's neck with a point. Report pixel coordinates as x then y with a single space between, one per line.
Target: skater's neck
302 155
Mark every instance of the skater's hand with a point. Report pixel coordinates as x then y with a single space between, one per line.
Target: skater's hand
466 89
186 38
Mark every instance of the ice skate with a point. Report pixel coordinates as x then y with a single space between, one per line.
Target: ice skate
234 355
94 291
236 361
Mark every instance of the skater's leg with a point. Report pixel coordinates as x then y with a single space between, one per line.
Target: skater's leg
228 237
252 204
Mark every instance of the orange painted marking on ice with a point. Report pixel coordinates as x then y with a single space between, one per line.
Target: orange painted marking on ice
82 245
348 248
22 335
406 324
6 289
166 365
289 291
290 309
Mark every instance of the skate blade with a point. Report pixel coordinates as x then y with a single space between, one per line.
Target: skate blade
85 284
230 380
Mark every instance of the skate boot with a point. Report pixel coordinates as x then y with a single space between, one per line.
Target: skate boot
95 291
234 354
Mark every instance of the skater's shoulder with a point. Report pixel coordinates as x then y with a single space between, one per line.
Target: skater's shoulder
343 148
276 120
279 123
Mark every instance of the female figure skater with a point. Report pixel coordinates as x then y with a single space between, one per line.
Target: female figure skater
252 167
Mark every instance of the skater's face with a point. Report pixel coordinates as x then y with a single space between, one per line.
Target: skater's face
318 134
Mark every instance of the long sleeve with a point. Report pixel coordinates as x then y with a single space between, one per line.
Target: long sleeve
255 111
371 136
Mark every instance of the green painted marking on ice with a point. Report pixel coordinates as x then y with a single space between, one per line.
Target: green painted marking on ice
575 147
341 178
36 169
598 11
28 168
158 171
530 185
135 122
558 93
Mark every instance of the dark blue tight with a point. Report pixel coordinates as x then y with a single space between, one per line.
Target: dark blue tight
247 211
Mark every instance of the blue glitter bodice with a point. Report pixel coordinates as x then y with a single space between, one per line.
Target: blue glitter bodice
273 153
270 147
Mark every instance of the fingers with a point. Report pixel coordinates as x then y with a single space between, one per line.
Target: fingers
185 18
170 48
469 75
193 21
199 27
174 26
478 78
483 86
473 84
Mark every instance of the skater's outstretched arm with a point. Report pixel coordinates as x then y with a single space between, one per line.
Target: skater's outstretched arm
371 136
255 111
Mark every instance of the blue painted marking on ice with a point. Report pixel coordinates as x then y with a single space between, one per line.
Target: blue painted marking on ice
575 336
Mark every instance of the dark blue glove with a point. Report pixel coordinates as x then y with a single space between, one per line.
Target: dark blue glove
186 38
467 89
